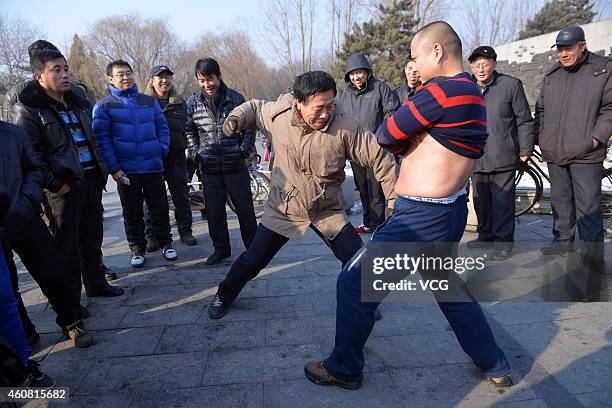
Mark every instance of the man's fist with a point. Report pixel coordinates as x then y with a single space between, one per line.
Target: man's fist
231 126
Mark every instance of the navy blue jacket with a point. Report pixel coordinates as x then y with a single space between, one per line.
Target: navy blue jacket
132 132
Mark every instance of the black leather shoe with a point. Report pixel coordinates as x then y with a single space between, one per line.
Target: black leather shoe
501 255
478 244
108 291
217 257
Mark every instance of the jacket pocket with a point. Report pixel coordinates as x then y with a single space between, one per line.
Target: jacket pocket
576 141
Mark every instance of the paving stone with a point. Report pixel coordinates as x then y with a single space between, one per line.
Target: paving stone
167 314
110 400
260 364
268 308
307 330
377 391
224 396
453 386
217 335
143 373
301 285
111 343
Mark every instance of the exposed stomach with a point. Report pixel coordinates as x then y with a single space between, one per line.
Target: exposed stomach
431 170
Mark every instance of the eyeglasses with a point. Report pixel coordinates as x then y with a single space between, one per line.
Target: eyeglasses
124 75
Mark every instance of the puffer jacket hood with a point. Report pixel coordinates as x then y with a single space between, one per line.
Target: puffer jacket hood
356 61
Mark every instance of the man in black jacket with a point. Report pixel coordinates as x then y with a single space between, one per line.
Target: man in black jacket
175 164
25 232
58 122
510 142
370 100
221 158
573 119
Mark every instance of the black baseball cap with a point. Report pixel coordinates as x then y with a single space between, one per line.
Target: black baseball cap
483 51
158 69
569 36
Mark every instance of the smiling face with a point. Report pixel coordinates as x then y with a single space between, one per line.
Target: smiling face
569 55
208 84
359 77
412 75
162 83
317 109
55 79
483 68
122 77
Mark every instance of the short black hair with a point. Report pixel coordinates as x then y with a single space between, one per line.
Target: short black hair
116 63
207 67
40 58
40 45
311 83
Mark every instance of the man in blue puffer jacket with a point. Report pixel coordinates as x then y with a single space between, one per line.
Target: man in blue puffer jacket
134 138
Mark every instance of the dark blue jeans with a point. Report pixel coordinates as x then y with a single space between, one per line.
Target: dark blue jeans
411 221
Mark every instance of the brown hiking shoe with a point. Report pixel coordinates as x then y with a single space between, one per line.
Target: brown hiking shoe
502 382
79 335
318 374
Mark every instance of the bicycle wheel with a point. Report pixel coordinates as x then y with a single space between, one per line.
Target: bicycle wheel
529 190
260 187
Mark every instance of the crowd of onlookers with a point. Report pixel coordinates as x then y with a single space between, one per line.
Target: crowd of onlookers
57 149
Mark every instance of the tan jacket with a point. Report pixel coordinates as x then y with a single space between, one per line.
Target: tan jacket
309 166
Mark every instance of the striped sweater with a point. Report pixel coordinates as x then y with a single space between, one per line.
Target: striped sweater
450 109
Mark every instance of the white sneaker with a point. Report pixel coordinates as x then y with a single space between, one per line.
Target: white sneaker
169 253
138 260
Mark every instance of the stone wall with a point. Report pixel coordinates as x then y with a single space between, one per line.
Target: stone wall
532 73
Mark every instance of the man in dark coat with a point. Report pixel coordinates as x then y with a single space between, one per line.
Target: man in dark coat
510 142
369 100
174 108
573 119
221 158
58 122
413 80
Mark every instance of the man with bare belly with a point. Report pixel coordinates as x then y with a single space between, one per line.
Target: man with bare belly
440 133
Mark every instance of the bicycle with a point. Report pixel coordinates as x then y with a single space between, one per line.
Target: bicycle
529 184
260 188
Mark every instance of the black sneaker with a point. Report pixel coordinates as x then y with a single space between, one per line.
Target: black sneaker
189 239
217 257
478 244
36 377
558 248
216 310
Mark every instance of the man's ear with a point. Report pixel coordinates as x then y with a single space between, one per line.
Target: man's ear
38 76
438 52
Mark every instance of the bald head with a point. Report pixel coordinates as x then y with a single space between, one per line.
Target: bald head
440 32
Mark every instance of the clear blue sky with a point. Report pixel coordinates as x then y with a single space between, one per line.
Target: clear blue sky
189 19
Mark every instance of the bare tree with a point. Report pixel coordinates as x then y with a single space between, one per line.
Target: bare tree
16 34
426 11
288 29
494 22
141 42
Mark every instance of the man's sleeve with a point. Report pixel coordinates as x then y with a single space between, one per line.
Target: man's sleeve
363 149
161 126
523 118
258 114
191 132
390 99
538 119
399 131
102 127
23 117
603 124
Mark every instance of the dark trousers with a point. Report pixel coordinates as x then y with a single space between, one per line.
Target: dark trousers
575 196
151 188
371 194
176 177
494 195
411 222
37 250
79 231
266 245
238 186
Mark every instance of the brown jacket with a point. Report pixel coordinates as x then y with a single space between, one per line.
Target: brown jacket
309 166
575 107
